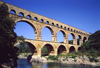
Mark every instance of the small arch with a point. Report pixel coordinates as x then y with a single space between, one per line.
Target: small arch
21 14
52 24
61 26
41 20
68 29
47 22
64 28
71 49
13 12
74 31
28 16
56 25
62 49
35 19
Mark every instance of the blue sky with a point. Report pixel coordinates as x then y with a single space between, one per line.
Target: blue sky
82 14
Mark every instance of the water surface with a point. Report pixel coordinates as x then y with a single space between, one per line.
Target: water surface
23 63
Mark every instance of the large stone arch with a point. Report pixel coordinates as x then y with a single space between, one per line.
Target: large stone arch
29 22
50 28
32 47
79 41
84 39
74 38
72 49
61 50
63 32
50 49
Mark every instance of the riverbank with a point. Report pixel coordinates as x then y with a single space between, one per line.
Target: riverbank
82 60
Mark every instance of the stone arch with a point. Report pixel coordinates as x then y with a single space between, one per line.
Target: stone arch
35 19
21 14
79 40
63 32
41 20
64 28
50 49
12 11
61 38
80 48
62 49
27 21
57 25
73 38
52 24
29 16
61 26
47 22
71 49
32 47
84 39
52 32
68 29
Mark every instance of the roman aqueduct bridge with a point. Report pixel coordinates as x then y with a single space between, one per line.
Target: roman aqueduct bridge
38 22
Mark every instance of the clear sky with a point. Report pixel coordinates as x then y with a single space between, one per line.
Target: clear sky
82 14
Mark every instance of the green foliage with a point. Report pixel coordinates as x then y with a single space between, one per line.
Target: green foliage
44 51
8 37
93 59
23 47
70 42
52 57
93 44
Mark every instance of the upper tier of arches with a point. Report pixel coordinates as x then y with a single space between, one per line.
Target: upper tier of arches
46 20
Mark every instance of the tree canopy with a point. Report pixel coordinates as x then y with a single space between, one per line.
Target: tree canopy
8 37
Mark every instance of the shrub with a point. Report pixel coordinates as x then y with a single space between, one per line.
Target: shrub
93 59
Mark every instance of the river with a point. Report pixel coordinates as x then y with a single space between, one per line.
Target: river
23 63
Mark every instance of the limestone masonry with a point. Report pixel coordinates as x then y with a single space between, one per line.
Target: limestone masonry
38 22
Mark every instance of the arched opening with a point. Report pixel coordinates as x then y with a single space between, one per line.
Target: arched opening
71 49
80 48
41 20
61 26
52 24
21 14
84 39
60 36
56 25
47 22
79 40
25 29
64 28
47 33
71 29
13 12
35 19
47 49
62 50
26 49
68 29
28 16
71 38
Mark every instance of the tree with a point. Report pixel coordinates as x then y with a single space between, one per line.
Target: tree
93 44
8 53
23 47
